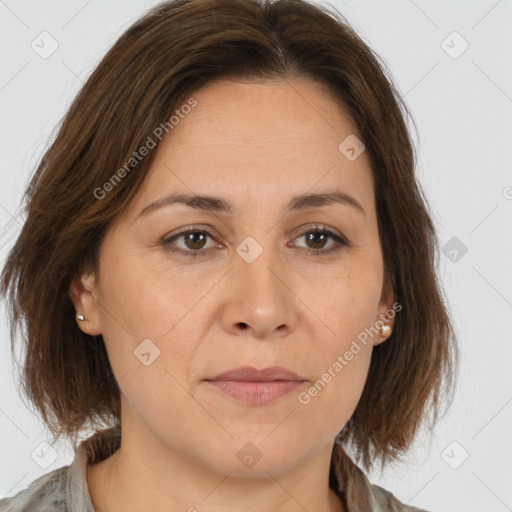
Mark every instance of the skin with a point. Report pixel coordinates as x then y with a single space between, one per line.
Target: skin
256 145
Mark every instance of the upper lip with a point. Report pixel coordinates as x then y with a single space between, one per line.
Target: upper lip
251 374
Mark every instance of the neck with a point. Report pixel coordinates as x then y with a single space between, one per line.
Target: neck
144 475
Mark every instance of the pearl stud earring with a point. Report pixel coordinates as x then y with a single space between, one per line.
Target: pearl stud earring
385 330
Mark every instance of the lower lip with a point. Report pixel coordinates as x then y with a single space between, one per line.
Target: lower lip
256 393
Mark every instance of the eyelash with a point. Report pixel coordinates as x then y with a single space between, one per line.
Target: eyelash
340 241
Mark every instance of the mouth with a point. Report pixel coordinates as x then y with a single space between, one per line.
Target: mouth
256 393
256 387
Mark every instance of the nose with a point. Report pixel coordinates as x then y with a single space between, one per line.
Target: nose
260 301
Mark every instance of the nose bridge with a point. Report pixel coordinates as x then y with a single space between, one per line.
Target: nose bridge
262 300
259 262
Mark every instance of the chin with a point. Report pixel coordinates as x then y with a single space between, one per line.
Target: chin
256 454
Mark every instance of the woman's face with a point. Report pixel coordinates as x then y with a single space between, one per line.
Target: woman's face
241 289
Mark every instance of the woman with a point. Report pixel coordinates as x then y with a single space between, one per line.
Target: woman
228 261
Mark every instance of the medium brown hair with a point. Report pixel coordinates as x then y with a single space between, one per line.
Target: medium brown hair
157 64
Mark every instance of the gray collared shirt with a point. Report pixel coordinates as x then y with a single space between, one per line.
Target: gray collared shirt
65 489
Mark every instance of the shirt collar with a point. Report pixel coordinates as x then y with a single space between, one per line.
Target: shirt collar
93 449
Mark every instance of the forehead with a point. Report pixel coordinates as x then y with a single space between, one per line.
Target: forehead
259 141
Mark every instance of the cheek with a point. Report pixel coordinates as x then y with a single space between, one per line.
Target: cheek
152 371
142 299
336 386
347 305
341 355
150 327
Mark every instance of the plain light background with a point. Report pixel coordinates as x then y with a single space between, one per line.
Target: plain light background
461 100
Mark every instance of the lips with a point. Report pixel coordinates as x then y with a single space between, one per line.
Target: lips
256 387
251 374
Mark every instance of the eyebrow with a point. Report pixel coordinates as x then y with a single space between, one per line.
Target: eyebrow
217 204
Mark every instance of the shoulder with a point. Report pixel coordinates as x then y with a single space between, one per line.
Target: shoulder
387 502
356 490
45 494
66 487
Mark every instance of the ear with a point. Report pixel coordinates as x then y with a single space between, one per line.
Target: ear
386 312
82 293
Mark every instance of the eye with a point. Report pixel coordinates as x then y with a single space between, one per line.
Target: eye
194 241
317 237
